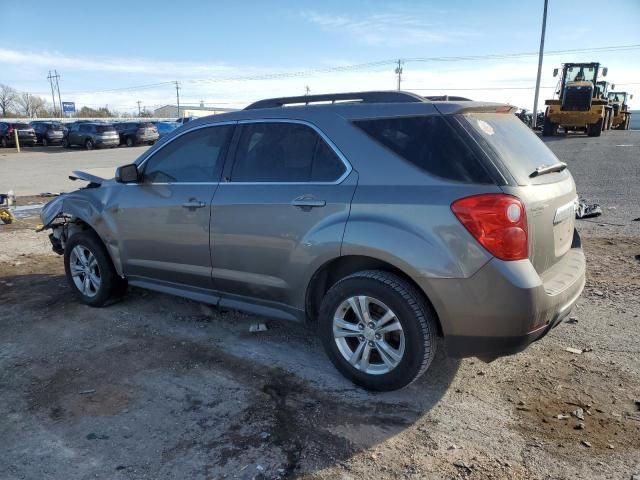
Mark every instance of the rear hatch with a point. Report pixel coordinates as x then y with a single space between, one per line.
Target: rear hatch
107 132
147 130
549 194
24 130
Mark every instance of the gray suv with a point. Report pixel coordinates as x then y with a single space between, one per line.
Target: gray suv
386 220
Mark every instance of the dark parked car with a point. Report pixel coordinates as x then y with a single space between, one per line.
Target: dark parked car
49 133
166 127
386 222
91 135
26 135
136 133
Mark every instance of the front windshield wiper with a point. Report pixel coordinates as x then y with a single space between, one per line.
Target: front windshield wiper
558 167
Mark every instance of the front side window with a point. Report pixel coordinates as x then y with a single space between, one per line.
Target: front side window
196 156
283 153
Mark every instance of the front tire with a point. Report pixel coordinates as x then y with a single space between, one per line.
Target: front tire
88 144
45 142
89 270
65 143
549 128
595 129
378 330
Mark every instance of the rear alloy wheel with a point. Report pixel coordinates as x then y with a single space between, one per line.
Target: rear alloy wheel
89 144
89 270
377 330
130 142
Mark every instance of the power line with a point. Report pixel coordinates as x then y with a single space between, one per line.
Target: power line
477 88
368 65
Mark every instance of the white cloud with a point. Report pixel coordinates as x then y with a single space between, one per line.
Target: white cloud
396 29
50 59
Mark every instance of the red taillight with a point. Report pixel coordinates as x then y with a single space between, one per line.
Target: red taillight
497 221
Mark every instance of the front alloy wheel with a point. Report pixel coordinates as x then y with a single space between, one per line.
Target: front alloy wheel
368 335
85 270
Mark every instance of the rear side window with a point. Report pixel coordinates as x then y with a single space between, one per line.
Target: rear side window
429 143
196 156
284 153
22 126
85 128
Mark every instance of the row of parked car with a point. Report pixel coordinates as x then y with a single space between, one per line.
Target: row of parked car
84 133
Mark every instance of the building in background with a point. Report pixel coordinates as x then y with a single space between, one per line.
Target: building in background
171 111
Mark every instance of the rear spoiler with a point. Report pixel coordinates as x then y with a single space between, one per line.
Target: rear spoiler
474 107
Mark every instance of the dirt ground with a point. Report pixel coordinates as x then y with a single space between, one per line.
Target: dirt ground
160 387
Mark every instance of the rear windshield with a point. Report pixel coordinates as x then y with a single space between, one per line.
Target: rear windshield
429 143
105 128
513 143
22 126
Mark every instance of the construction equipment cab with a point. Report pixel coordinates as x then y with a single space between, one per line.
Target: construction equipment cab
621 116
579 105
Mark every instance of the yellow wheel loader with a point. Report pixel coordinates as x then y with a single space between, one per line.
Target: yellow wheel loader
621 115
579 105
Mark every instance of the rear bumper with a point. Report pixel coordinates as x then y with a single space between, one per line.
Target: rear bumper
506 306
110 142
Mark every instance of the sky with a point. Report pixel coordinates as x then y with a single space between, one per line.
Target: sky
229 54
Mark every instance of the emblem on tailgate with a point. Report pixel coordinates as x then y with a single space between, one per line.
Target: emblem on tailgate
565 211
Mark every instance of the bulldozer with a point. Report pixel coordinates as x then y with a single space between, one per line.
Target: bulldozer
580 104
621 116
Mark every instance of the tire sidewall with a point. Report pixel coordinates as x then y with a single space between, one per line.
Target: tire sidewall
410 365
107 272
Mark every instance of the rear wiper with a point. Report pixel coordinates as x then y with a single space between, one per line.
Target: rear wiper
558 167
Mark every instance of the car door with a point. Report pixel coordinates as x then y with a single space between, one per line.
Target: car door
163 221
280 213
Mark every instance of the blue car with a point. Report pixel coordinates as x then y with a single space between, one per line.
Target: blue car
166 127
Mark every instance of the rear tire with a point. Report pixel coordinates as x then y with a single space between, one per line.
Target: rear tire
89 270
385 355
130 142
65 143
3 142
45 142
595 129
549 128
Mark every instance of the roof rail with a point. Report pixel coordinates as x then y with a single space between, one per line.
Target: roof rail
393 96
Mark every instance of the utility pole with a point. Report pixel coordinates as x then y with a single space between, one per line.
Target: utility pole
540 55
53 96
56 76
399 72
307 91
138 102
178 97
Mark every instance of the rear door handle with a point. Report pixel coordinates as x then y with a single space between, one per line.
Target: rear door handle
193 203
305 202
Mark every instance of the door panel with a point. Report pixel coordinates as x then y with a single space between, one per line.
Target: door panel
281 214
264 247
161 237
163 221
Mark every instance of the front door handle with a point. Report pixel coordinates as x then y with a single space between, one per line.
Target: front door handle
306 202
193 203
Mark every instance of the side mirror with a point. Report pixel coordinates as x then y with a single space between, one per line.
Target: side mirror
127 174
605 70
555 72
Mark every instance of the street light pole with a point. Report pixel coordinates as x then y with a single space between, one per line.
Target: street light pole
540 55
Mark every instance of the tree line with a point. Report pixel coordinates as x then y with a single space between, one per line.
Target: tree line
14 104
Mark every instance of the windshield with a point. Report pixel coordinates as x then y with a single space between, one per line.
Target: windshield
617 97
580 74
504 136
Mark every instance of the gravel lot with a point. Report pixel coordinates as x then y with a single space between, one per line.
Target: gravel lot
158 387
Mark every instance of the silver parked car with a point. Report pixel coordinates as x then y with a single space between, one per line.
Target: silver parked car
384 219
